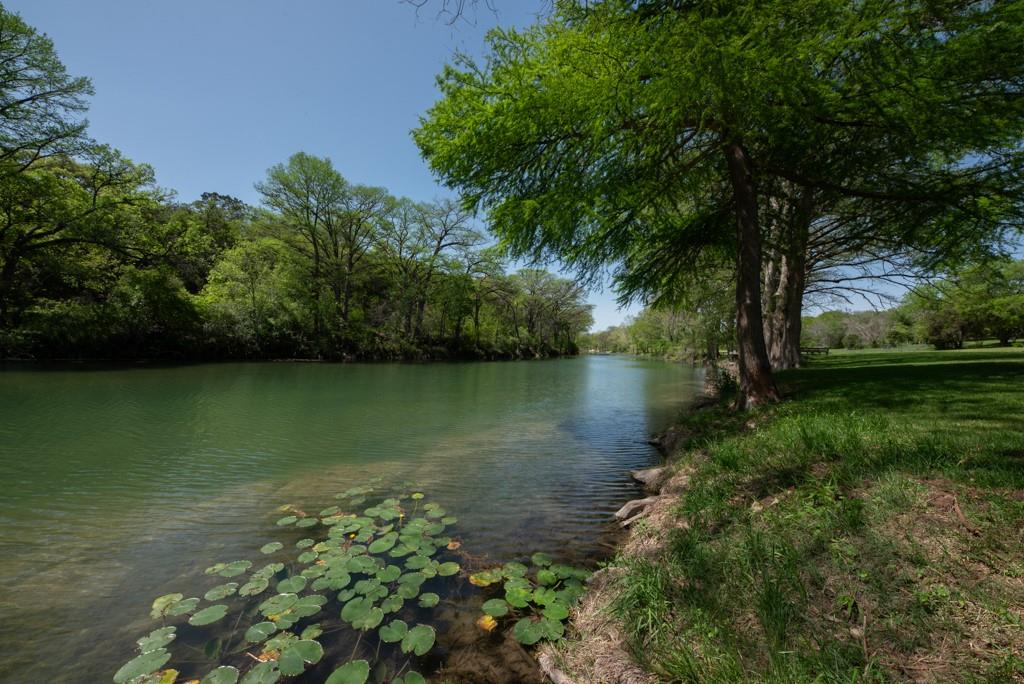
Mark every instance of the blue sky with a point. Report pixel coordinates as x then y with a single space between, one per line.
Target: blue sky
212 93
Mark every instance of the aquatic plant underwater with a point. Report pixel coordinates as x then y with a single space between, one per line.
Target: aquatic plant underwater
385 567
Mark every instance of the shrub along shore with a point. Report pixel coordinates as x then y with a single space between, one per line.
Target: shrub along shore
868 528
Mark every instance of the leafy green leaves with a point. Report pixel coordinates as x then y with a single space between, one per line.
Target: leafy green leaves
209 615
356 672
142 665
419 640
378 566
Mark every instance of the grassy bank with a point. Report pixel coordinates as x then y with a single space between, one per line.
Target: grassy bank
869 528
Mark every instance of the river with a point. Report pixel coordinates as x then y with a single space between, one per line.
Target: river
122 484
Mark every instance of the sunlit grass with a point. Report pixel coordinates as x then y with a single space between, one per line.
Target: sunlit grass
867 529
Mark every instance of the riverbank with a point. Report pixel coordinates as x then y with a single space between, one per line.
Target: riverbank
869 528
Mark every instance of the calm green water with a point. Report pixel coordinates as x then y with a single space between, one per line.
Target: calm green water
122 485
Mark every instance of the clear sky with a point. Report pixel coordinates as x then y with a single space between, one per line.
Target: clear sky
213 92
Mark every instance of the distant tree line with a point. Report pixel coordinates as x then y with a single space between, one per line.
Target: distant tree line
982 302
97 262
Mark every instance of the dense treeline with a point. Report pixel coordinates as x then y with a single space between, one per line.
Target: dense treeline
981 302
96 261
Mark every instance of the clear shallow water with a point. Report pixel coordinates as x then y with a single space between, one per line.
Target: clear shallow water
121 485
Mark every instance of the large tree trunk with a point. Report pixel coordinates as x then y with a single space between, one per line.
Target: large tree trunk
785 281
757 384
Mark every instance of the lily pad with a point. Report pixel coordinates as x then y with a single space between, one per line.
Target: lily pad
552 629
541 559
156 639
356 609
518 597
514 570
222 675
355 672
304 543
235 568
495 607
287 520
297 654
393 632
163 603
419 640
207 616
556 611
485 578
370 620
276 605
528 632
261 631
308 605
447 569
385 543
142 665
221 592
429 600
182 607
410 678
392 604
272 547
416 562
253 587
546 577
308 557
311 632
263 673
412 578
292 585
407 591
390 573
307 522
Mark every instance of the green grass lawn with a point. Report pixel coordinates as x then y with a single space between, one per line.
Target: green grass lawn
869 528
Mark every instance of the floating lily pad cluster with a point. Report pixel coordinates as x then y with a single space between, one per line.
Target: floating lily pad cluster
538 598
357 571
